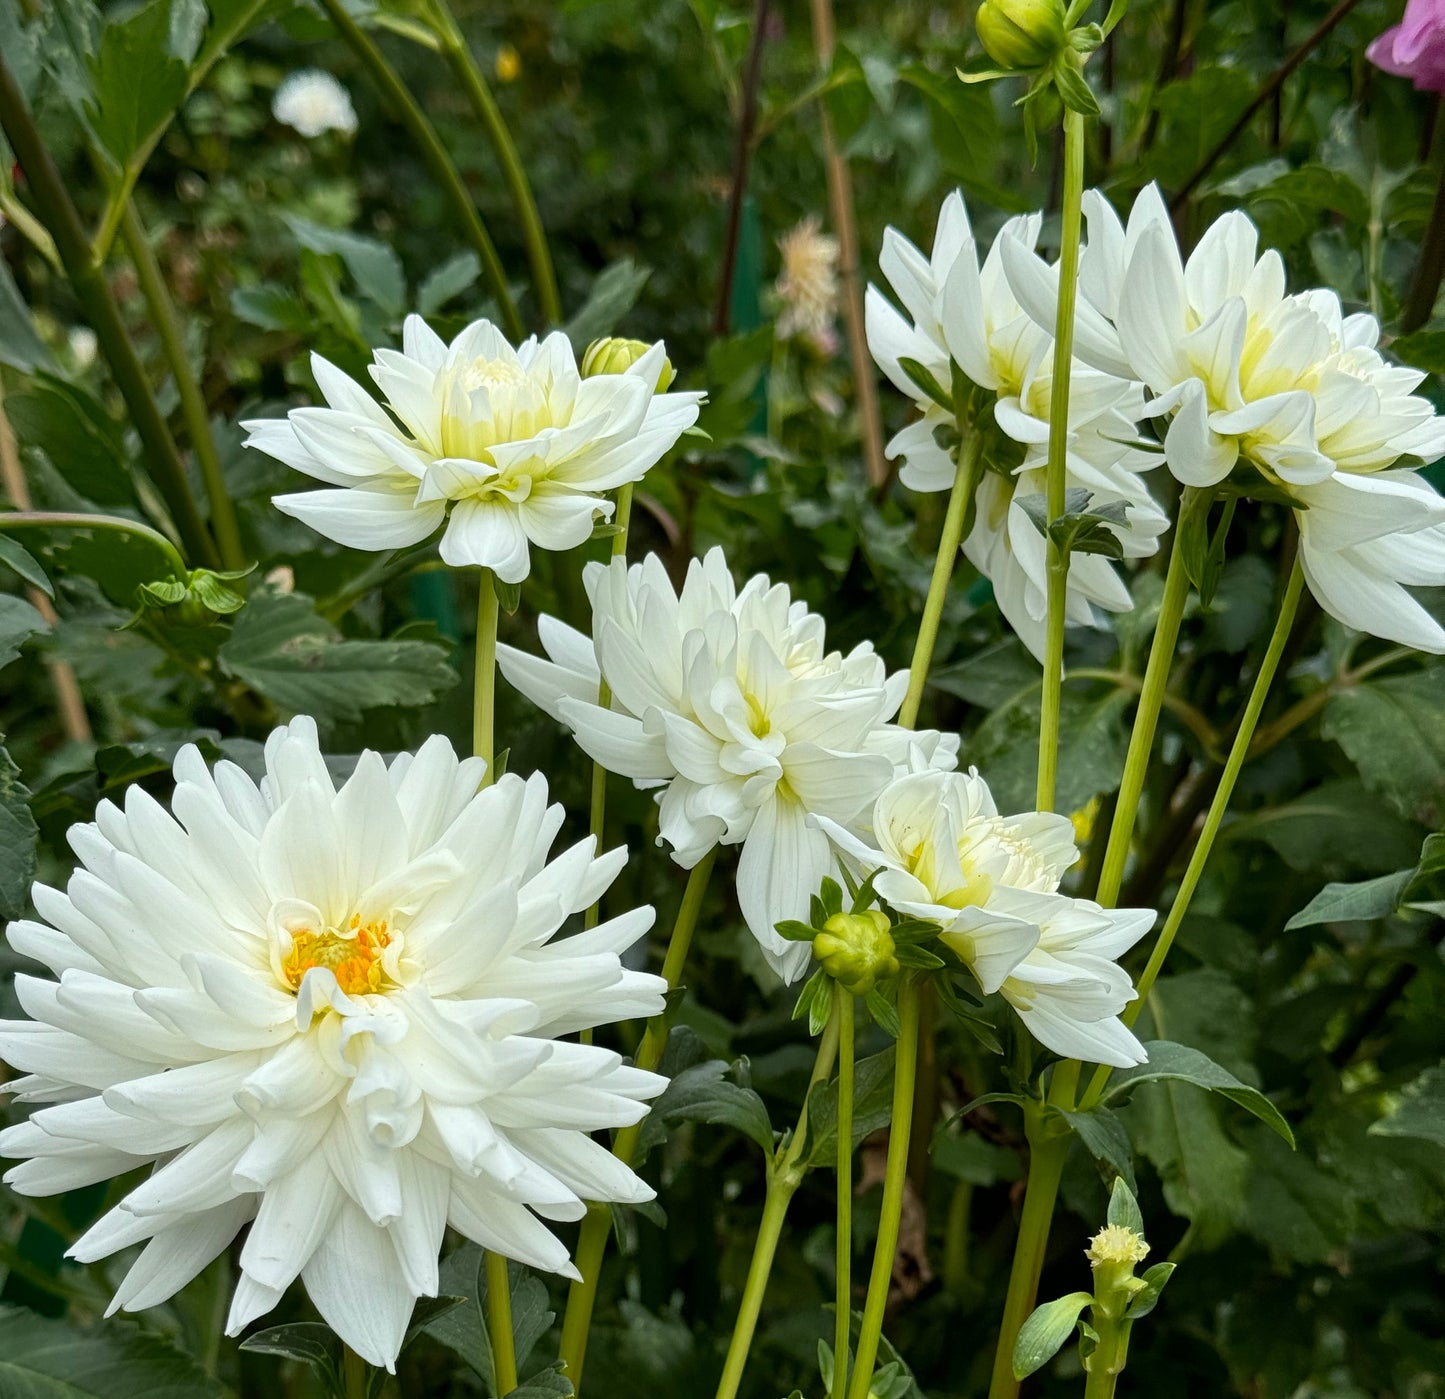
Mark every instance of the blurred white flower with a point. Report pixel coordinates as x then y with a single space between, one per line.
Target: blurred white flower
83 346
330 1014
807 287
727 702
969 316
313 102
511 447
990 883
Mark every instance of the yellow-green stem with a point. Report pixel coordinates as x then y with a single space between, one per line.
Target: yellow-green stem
193 404
424 134
484 692
1146 720
895 1180
1056 479
1046 1167
960 499
354 1374
474 85
844 1009
592 1239
621 517
1238 756
499 1324
785 1174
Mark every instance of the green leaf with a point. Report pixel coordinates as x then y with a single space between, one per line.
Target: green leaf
1042 1336
80 439
545 1384
312 1343
271 306
120 562
1180 1064
991 677
19 622
1425 349
714 1092
1153 1279
1350 903
1106 1139
1083 528
17 840
872 1107
449 280
15 556
374 267
1124 1208
1420 1110
45 1359
1394 732
613 295
1074 89
20 346
463 1328
283 650
138 81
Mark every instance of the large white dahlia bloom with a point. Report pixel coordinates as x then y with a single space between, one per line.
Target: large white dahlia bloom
333 1015
959 313
727 701
510 447
1244 375
990 883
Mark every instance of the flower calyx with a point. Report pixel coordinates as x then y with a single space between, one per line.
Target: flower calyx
195 600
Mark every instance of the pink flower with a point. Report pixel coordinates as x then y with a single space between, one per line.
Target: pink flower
1415 48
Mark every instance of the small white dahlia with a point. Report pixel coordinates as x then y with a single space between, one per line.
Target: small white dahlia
510 447
331 1014
312 102
727 702
943 854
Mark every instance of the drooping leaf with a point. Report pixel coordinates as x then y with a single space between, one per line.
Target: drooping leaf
714 1092
285 651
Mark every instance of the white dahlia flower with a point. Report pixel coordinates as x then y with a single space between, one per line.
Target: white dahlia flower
313 102
333 1015
728 703
511 447
968 316
944 855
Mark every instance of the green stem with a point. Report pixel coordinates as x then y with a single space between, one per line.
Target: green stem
193 404
1046 1168
1146 719
592 1239
597 823
785 1174
1057 471
499 1324
424 134
895 1180
1107 1360
960 499
355 1373
484 693
28 227
67 519
464 65
844 1010
93 292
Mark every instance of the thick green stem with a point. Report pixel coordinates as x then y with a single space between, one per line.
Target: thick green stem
960 499
193 404
845 1011
93 292
1056 480
785 1174
499 1324
621 517
1146 719
895 1180
1046 1168
464 65
1110 1355
443 168
355 1373
592 1239
484 692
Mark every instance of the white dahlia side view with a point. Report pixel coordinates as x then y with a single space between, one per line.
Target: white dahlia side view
941 853
509 447
961 314
331 1015
727 702
312 102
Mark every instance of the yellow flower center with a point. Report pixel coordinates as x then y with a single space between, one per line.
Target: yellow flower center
490 374
353 956
1117 1243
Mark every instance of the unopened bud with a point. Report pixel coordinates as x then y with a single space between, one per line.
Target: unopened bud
857 950
616 356
1021 35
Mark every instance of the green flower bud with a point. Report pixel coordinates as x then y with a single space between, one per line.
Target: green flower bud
857 950
195 600
617 356
1021 35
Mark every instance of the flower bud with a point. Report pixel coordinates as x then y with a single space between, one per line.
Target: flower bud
856 949
1113 1252
1021 35
616 356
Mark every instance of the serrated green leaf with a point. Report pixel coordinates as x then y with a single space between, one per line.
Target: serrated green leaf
137 81
79 438
872 1107
710 1092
